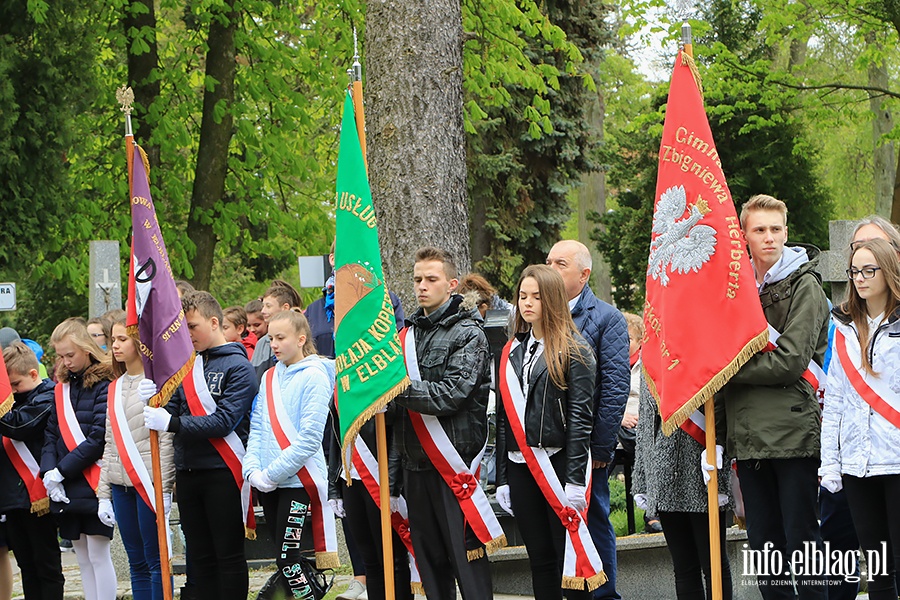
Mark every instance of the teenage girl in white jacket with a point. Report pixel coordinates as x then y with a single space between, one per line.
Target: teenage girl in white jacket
861 423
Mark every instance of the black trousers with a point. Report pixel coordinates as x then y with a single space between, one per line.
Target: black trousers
838 531
364 521
780 500
873 504
687 535
33 540
541 530
285 509
440 539
209 502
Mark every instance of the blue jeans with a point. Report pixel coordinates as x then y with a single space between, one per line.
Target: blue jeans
137 526
602 532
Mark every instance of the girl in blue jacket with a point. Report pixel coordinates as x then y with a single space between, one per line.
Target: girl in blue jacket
286 429
73 444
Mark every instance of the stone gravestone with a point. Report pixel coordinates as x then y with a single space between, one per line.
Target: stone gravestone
833 262
105 290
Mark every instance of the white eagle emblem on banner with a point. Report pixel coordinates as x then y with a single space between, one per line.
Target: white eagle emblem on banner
680 242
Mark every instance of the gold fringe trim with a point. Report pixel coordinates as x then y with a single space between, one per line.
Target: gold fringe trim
596 581
716 383
162 397
327 560
580 583
146 162
688 60
495 544
741 522
249 533
41 507
475 554
132 331
367 414
417 588
7 404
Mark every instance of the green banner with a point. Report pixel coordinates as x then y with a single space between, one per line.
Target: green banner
370 368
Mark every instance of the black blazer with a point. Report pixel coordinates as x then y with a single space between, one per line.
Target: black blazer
554 418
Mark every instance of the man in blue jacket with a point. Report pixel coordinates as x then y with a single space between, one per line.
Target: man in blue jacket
605 330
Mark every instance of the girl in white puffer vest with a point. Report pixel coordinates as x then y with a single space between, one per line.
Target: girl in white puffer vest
861 423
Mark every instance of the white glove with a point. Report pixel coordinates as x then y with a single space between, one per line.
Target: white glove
53 476
156 418
832 482
641 501
575 494
260 480
167 503
105 512
705 467
57 492
503 499
395 504
337 507
146 390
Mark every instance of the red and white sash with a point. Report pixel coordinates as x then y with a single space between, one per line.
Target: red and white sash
28 469
70 430
695 426
873 389
127 448
461 478
230 448
367 467
814 375
582 567
315 484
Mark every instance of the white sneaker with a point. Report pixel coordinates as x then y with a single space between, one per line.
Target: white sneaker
354 591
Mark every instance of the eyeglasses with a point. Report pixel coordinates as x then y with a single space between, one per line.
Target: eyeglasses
867 272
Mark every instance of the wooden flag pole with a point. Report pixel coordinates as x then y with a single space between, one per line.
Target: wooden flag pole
712 490
387 547
125 96
712 495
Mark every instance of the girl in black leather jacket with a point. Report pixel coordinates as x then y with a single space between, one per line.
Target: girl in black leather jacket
554 369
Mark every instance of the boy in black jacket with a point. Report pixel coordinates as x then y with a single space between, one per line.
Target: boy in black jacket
30 531
211 504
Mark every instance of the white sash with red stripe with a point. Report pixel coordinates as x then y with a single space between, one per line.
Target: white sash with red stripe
315 484
876 391
28 469
127 448
461 478
582 567
695 426
70 430
814 375
367 467
230 448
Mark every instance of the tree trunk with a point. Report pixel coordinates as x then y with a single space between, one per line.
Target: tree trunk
416 143
883 151
592 198
140 24
215 136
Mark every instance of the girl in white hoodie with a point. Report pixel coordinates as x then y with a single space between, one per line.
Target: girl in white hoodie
861 423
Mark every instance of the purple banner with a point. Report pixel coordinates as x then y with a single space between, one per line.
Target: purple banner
153 302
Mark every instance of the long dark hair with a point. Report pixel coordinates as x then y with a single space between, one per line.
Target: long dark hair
886 257
560 334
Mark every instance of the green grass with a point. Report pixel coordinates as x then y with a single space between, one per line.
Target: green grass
619 520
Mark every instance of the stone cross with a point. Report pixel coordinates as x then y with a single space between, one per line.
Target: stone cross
105 291
833 262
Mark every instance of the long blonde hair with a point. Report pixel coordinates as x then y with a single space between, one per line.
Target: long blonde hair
300 326
886 257
561 338
75 329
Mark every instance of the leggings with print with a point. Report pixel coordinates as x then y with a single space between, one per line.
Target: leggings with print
285 509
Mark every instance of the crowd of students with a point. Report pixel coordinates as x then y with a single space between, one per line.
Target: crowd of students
257 412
